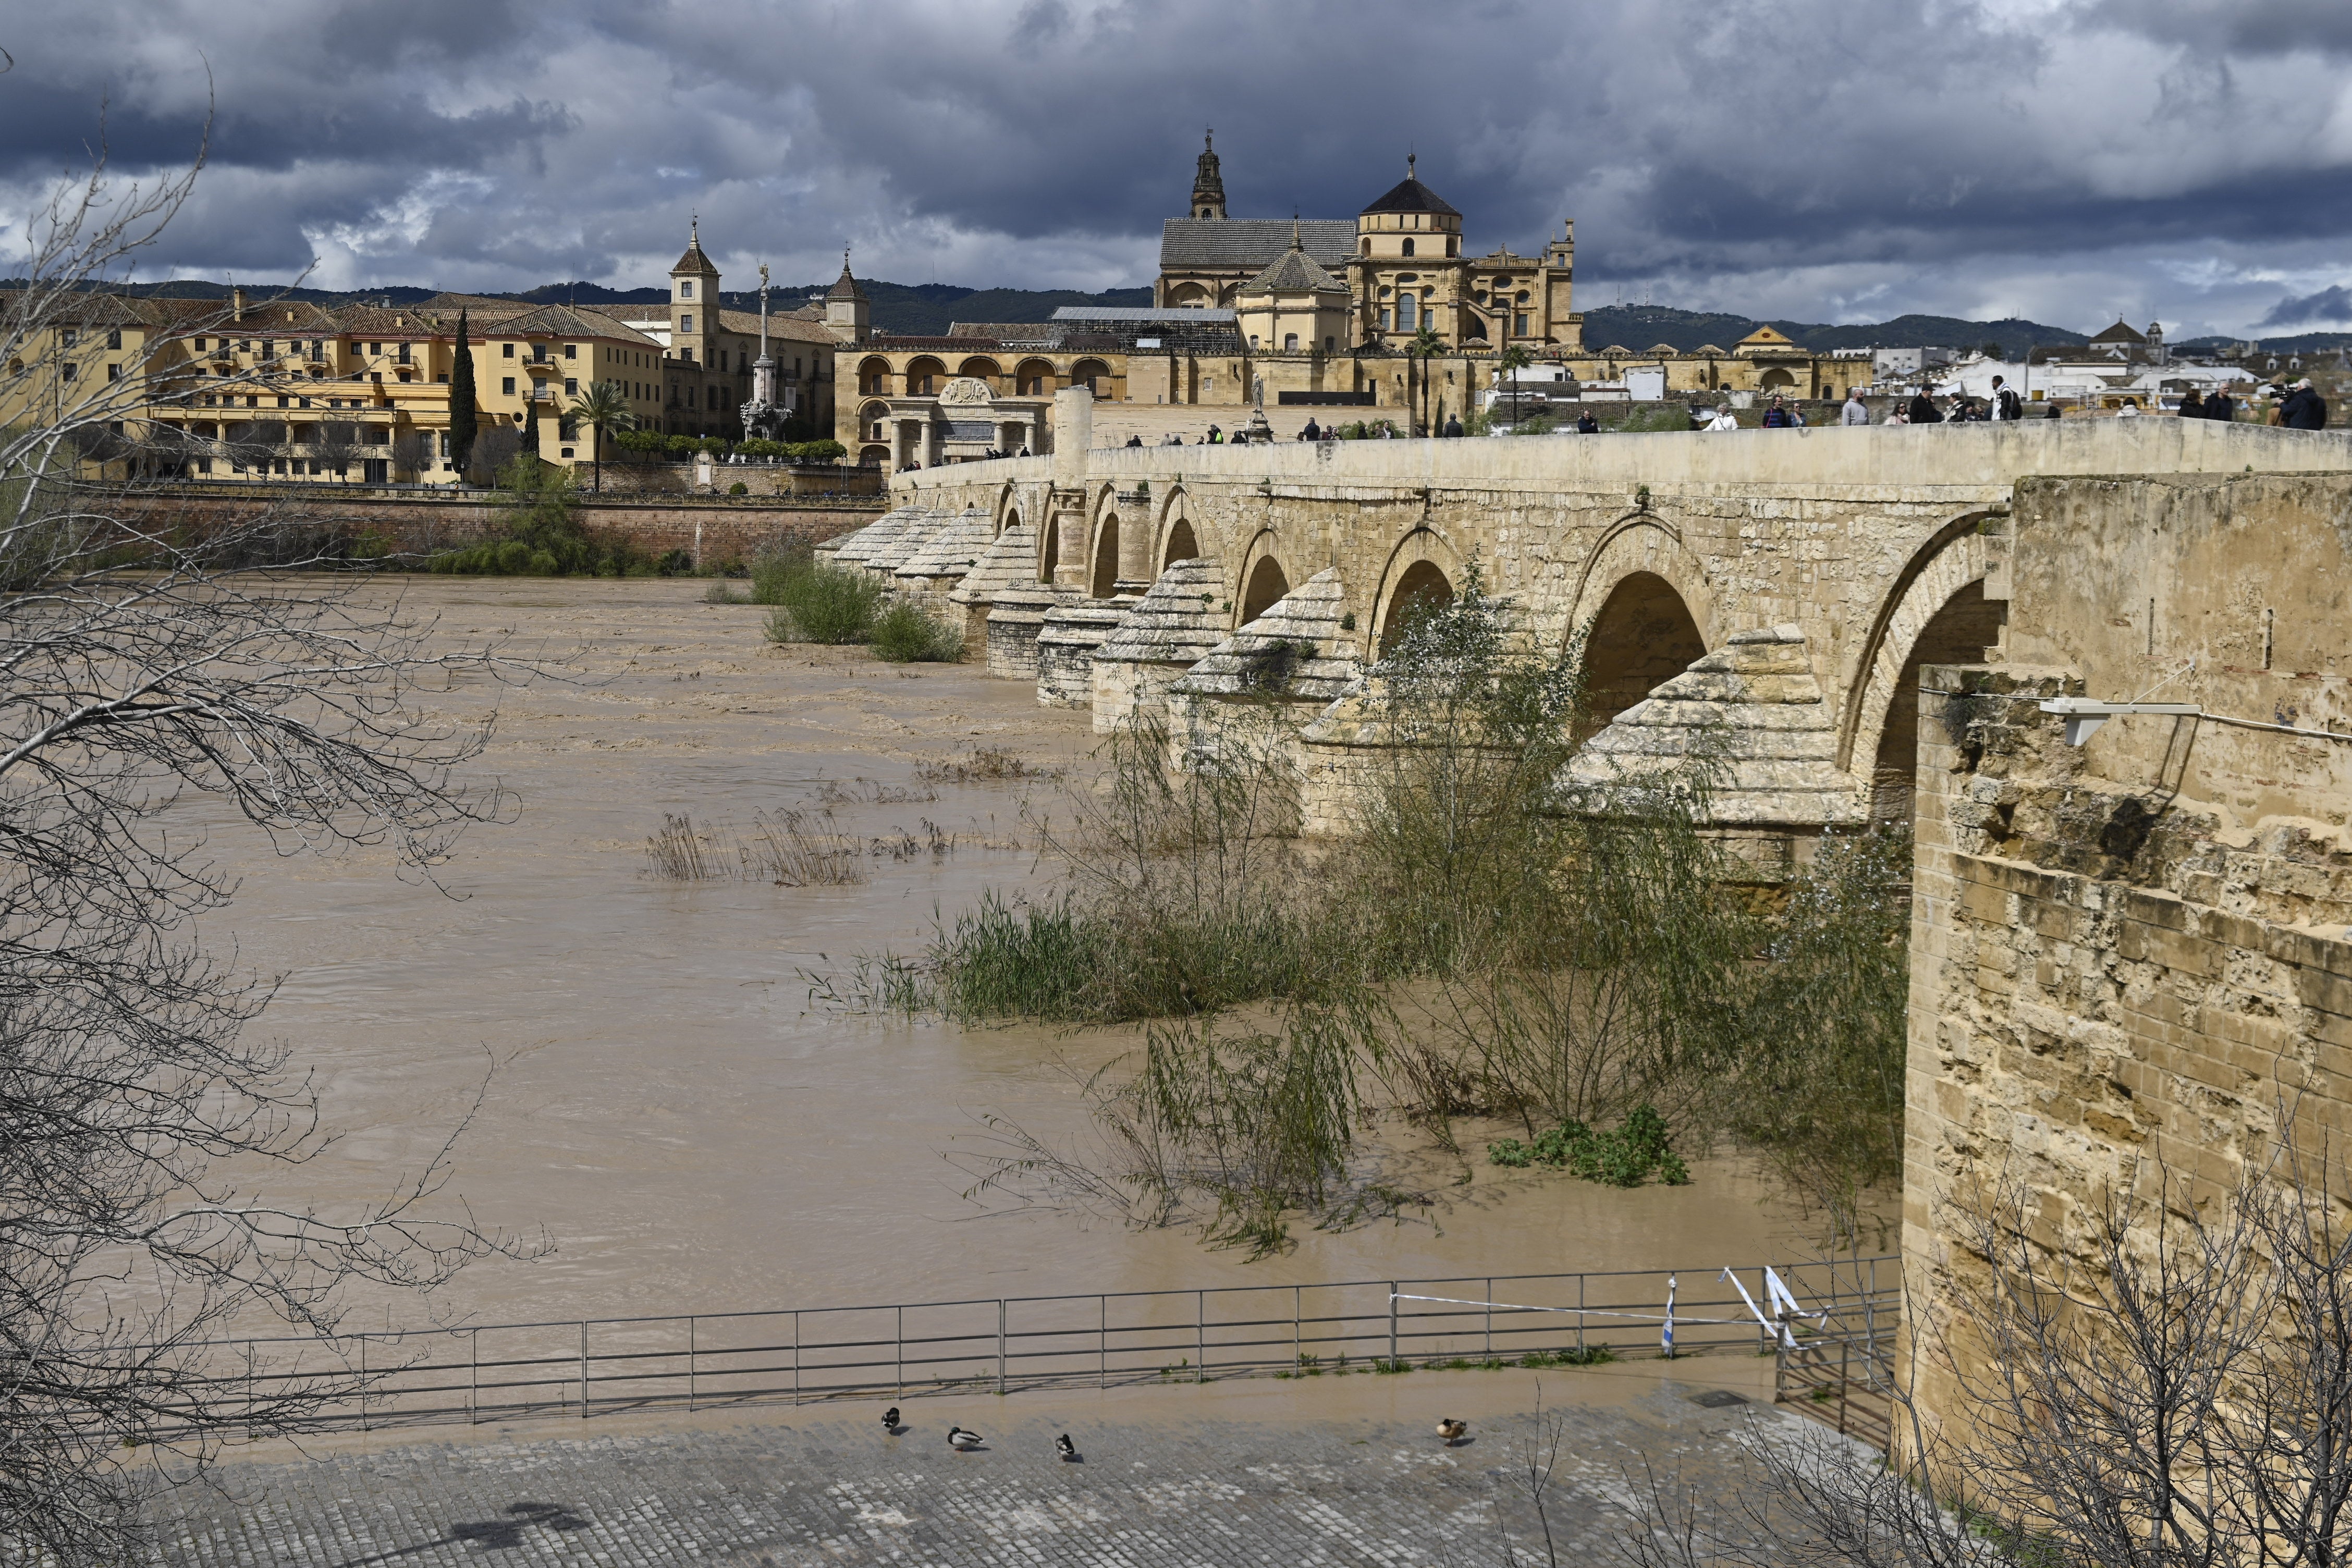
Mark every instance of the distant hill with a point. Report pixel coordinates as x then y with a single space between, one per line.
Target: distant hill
924 309
1638 327
921 310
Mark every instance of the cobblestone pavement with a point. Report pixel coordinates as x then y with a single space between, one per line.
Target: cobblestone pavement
1166 1480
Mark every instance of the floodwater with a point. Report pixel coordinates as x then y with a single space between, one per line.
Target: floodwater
692 1131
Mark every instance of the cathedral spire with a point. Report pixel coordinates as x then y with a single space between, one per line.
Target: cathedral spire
1208 184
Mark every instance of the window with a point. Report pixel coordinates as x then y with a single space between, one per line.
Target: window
1521 328
68 370
114 337
1408 247
506 385
404 356
1523 296
685 323
686 291
375 348
1388 319
1253 340
571 351
571 387
1404 312
1330 345
1290 342
686 354
67 337
1368 247
200 345
318 352
266 349
538 354
507 350
114 373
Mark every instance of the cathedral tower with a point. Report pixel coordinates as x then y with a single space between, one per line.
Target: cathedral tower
1208 186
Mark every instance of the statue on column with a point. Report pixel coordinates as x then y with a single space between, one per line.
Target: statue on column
763 418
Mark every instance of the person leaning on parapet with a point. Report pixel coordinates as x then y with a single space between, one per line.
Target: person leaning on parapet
2191 405
1854 411
1723 419
2303 408
1777 417
1216 437
1924 411
1313 432
2005 402
1586 425
1453 425
2219 405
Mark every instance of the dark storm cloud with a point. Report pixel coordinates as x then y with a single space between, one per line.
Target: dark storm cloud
490 144
2330 305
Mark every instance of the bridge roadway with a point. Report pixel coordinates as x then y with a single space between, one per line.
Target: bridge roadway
1804 573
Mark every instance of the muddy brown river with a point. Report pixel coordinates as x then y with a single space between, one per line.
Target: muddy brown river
692 1131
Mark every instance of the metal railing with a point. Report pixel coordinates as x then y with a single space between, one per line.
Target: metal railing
1001 1344
1840 1368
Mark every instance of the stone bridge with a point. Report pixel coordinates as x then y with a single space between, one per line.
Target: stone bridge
1782 587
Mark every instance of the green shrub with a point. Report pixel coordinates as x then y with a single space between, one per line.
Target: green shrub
739 489
1625 1158
818 603
904 634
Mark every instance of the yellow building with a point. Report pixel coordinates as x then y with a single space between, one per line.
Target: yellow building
286 389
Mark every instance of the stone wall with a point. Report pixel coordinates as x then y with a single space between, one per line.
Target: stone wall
2136 946
715 531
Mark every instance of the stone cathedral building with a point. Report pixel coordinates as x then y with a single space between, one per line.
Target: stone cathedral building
1387 314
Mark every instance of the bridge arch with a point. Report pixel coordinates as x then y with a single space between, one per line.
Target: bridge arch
1935 612
1262 578
1179 541
1645 609
1423 567
1102 568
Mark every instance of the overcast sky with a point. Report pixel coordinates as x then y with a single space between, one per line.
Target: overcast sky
2186 160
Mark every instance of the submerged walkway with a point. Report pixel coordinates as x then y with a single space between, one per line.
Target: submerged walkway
1339 1470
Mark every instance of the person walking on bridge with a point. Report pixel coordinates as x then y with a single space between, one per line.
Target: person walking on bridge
1723 419
1855 411
1777 417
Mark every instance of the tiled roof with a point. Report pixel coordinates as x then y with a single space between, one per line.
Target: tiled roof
1410 195
570 321
1139 313
1252 243
791 329
845 286
1294 272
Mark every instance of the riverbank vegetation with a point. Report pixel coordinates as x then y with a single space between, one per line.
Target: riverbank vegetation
1495 942
537 533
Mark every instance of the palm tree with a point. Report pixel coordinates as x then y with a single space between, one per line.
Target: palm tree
1426 346
1514 359
605 406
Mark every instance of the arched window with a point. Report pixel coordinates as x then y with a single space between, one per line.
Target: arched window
1408 247
1368 247
1290 342
1405 313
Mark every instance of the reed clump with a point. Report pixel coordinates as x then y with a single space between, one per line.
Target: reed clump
1495 942
790 848
815 602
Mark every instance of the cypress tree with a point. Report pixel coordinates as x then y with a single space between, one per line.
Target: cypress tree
464 413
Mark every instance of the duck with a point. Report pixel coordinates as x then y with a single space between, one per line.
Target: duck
1063 1446
890 1420
1453 1431
962 1440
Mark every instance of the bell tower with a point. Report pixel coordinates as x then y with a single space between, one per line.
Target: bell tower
693 301
1208 186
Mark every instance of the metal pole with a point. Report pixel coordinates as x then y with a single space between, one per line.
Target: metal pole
1297 1348
1845 1360
474 1380
689 1362
899 1339
1580 1314
583 1369
1490 1317
1392 1322
796 1358
1199 1336
1000 1344
1102 1342
363 1383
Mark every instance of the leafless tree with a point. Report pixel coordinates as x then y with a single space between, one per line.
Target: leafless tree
146 664
411 452
338 445
2170 1386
